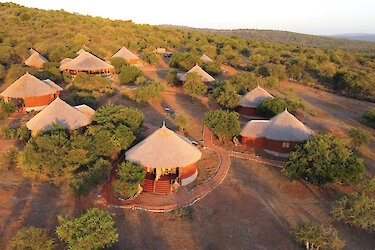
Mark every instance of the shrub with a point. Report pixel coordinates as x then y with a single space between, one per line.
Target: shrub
130 175
7 133
359 137
309 161
273 82
23 133
193 84
140 80
9 159
128 74
182 121
94 229
212 68
31 238
172 77
369 116
264 71
226 96
356 210
8 108
185 213
223 123
118 62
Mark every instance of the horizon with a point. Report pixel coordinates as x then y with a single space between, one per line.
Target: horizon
286 16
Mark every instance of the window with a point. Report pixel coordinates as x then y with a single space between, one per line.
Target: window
285 145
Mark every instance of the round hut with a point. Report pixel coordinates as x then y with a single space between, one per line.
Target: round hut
205 58
250 101
35 60
30 93
277 136
61 113
169 159
206 78
129 56
87 63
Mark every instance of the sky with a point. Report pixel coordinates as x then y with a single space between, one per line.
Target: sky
318 17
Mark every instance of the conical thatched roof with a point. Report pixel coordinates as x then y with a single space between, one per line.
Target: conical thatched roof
286 127
65 60
126 54
164 149
35 60
283 127
59 112
80 51
205 58
89 112
86 61
28 86
205 76
255 97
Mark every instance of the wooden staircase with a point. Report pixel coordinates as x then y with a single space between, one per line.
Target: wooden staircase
148 185
163 187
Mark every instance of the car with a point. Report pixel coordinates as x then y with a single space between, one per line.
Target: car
168 55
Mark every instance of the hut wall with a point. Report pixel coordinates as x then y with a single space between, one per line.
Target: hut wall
189 173
132 61
39 102
247 111
253 142
277 146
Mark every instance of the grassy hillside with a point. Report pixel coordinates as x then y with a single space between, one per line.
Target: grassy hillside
287 37
59 34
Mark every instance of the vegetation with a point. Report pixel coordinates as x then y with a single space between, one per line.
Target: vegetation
32 238
359 137
185 213
185 61
273 106
324 159
9 159
226 96
94 229
356 210
152 90
181 121
315 236
369 116
172 77
130 176
368 185
212 68
193 84
7 108
129 74
223 123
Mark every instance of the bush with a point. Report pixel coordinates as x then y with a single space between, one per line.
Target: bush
130 175
148 92
185 213
273 82
226 96
8 108
223 123
93 229
140 80
9 159
7 133
31 238
128 74
212 68
359 137
193 84
181 121
274 106
118 62
172 77
356 210
309 161
369 116
23 133
264 71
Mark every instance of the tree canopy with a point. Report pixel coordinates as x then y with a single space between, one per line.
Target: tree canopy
193 84
274 106
32 238
226 96
130 175
223 123
324 159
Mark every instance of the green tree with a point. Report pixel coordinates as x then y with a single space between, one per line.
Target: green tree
130 175
271 107
315 236
182 121
264 71
324 159
226 96
356 210
223 123
359 137
172 77
129 74
212 68
94 229
9 159
32 238
273 82
118 62
193 84
369 116
8 108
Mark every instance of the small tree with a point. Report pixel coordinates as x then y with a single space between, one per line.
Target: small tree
9 158
172 77
314 236
369 116
356 210
193 84
93 229
359 137
273 82
31 238
226 96
130 175
223 123
182 121
324 159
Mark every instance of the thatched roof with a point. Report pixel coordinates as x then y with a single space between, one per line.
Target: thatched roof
65 60
80 51
205 58
164 149
126 54
59 112
86 61
28 86
205 76
89 112
255 97
35 60
283 127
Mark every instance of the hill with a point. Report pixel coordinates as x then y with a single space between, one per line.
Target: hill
286 37
357 36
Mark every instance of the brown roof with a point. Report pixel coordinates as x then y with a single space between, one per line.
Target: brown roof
126 54
65 60
28 86
86 61
81 51
255 97
205 76
35 60
205 58
59 112
283 127
164 149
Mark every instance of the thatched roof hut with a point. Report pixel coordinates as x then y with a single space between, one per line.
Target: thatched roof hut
35 60
65 60
126 54
255 97
59 112
205 76
30 86
205 58
164 149
80 51
86 62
